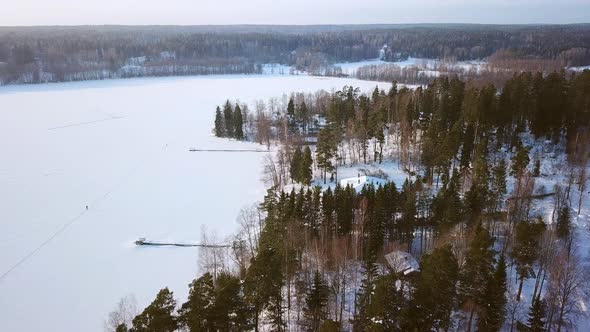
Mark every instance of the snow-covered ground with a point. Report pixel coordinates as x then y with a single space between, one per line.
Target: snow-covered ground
428 66
120 147
580 68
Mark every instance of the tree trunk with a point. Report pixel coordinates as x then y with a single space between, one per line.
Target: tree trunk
470 320
560 320
519 289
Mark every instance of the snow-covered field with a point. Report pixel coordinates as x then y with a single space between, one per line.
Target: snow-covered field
120 147
428 66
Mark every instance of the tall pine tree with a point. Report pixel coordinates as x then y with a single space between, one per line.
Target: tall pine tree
196 313
158 316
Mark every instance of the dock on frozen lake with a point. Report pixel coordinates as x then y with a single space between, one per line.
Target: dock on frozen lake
227 150
143 242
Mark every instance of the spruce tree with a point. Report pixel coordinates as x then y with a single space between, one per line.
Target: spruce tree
291 108
520 161
498 188
158 316
491 314
435 294
563 223
477 270
478 196
291 118
219 128
467 147
388 304
315 303
238 123
537 315
364 296
302 115
296 164
228 117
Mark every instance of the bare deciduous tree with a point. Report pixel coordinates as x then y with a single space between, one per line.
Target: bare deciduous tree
123 313
568 282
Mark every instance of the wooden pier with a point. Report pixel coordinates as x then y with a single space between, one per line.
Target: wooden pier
144 242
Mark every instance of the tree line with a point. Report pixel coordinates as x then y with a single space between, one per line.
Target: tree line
42 54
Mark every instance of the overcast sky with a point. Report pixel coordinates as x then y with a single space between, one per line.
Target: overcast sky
195 12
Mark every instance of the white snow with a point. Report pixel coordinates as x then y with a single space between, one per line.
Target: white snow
580 68
120 147
357 183
430 67
276 69
349 68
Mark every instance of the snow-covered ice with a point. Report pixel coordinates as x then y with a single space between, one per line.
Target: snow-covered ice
120 147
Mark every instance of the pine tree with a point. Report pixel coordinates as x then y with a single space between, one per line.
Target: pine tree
315 303
238 123
296 164
197 313
264 279
121 328
230 312
158 316
306 165
228 117
219 128
325 150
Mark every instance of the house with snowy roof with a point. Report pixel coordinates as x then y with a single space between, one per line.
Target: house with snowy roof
402 262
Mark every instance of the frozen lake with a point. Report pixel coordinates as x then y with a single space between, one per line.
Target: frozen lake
120 147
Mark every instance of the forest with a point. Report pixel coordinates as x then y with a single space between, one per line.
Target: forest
312 255
56 54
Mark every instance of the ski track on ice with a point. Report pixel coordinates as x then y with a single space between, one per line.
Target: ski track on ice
69 223
84 123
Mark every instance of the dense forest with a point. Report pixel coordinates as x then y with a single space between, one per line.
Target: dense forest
311 256
52 54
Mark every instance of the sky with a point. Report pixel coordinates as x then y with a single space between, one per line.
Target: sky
198 12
